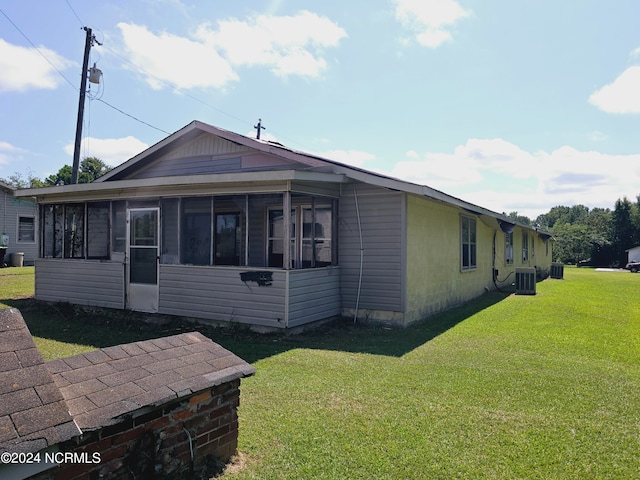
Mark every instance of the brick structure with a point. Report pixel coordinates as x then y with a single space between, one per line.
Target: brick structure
151 409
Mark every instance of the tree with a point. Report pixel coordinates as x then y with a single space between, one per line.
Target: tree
519 218
63 177
623 232
20 181
573 242
90 169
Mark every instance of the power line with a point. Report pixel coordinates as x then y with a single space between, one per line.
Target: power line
82 24
132 117
38 50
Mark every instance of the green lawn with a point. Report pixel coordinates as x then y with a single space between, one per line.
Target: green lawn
506 386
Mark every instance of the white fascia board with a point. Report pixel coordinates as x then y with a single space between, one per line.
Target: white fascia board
184 180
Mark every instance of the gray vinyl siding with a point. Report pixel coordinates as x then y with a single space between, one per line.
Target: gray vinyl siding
218 294
10 209
100 284
381 217
190 166
313 295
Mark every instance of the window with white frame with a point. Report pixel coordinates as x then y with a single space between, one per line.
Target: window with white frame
508 248
26 229
468 260
525 247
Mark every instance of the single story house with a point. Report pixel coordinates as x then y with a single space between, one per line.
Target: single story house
18 222
196 226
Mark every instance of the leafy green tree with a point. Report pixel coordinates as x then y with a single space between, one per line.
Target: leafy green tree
573 242
63 177
19 180
89 170
519 218
623 231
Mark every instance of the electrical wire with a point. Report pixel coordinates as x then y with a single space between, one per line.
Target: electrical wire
82 24
38 50
132 117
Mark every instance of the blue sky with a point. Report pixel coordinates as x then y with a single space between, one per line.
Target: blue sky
515 106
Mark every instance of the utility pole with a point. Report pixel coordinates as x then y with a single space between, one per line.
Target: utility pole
89 41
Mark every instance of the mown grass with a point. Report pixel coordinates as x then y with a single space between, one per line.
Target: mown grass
506 386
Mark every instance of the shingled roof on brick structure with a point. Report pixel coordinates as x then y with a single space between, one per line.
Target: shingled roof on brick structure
103 386
33 412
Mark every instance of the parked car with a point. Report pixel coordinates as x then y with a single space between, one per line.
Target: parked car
633 267
585 263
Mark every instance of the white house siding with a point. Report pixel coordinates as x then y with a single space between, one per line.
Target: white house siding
95 283
313 295
218 294
381 218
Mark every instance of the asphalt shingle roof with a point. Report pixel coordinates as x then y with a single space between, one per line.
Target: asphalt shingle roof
33 412
103 386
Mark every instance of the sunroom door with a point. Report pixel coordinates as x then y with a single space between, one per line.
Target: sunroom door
142 258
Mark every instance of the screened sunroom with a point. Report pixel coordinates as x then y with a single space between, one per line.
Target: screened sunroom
220 257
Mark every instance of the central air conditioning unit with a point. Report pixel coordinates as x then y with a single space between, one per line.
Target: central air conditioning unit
557 270
525 281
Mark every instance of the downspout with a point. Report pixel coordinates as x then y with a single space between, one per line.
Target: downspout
355 196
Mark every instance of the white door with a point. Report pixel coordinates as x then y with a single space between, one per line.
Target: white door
142 259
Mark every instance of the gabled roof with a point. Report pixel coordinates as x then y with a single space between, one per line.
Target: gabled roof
33 413
310 167
6 186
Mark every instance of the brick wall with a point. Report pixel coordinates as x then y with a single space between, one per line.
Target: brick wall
154 443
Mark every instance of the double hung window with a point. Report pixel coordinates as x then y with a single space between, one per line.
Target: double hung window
468 256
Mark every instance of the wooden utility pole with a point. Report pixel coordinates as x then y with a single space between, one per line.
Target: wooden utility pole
89 41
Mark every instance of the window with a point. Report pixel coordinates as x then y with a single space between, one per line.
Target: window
275 239
525 247
227 239
533 246
196 231
26 230
508 248
316 237
312 245
468 242
119 226
52 230
74 231
98 230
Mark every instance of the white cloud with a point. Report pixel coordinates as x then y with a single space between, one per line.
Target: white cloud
8 152
620 96
287 45
23 69
177 60
499 175
112 151
430 20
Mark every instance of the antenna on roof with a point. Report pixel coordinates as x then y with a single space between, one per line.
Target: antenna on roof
259 127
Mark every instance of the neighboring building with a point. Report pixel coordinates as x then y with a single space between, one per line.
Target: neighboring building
195 226
633 254
18 222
